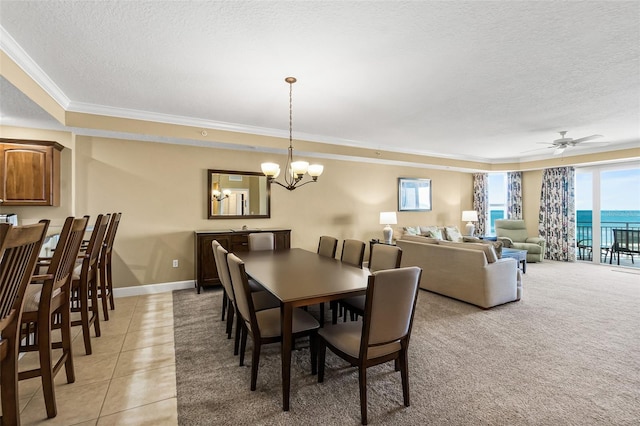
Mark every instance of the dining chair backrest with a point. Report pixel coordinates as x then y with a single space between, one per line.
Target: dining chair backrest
391 300
261 241
353 252
66 253
220 254
19 250
92 253
240 283
327 246
110 237
384 256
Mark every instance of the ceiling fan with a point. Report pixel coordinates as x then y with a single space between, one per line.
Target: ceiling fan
563 143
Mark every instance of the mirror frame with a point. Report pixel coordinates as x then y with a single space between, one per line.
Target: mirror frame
211 172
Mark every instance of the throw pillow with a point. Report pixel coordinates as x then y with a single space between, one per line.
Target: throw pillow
432 231
452 233
411 230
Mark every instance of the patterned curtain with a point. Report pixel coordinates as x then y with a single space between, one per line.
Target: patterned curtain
514 195
557 223
481 201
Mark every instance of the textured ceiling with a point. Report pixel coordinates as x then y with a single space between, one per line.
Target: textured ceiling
468 80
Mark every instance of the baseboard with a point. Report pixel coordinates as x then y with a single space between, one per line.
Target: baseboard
153 288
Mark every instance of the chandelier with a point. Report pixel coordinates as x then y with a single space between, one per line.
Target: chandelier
294 170
219 196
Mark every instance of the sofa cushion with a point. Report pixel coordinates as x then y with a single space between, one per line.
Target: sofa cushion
489 251
497 245
420 239
452 233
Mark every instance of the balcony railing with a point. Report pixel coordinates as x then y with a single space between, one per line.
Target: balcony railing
584 239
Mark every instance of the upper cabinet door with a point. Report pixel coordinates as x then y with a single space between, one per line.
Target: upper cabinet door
30 174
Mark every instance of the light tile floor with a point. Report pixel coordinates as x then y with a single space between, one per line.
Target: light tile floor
130 379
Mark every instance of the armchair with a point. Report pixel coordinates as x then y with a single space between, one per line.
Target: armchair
513 234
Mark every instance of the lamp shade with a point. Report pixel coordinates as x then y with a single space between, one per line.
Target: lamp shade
469 216
388 218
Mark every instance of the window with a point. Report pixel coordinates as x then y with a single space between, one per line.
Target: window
497 199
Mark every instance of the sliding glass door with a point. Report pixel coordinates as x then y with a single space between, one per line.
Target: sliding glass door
607 198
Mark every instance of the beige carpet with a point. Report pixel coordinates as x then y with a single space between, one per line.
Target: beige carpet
567 354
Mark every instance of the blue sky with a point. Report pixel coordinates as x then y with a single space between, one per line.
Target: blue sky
620 190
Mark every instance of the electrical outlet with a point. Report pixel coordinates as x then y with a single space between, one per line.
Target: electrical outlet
175 263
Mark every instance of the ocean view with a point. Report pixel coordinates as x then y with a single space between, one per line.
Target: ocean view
584 218
610 218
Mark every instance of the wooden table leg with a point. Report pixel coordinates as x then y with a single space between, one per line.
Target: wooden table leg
286 318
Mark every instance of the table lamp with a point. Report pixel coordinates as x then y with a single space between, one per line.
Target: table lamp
388 218
470 216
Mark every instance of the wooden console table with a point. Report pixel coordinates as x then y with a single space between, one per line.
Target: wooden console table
234 241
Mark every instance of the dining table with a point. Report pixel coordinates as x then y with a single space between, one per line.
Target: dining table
300 278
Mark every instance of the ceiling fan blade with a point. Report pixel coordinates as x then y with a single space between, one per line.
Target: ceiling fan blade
585 139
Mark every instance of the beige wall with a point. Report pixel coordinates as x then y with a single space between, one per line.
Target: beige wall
161 191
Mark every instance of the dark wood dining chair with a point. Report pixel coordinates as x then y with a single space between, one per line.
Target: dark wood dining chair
264 326
352 254
384 333
47 306
84 283
261 241
19 249
327 246
104 266
382 257
261 299
225 291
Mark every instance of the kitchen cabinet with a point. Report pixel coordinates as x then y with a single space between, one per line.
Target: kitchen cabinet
29 172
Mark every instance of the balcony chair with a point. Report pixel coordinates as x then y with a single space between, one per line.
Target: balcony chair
384 333
625 241
513 234
19 249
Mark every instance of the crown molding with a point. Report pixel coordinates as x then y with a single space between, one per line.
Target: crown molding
17 54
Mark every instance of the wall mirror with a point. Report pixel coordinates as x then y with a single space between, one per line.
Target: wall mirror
238 195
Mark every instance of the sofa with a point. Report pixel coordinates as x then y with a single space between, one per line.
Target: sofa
470 272
513 234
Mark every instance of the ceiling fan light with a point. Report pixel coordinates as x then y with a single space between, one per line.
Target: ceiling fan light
559 150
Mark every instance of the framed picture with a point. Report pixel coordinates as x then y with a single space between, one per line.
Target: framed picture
414 195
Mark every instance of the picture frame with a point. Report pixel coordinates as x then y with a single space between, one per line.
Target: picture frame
414 194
